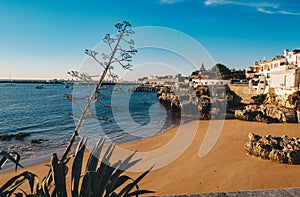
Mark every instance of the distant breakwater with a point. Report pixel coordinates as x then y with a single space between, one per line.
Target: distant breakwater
144 89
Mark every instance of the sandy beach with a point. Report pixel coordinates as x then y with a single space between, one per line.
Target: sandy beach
225 168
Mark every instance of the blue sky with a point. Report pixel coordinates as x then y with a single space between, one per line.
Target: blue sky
46 38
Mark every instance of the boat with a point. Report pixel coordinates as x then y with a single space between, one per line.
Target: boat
11 82
39 87
66 86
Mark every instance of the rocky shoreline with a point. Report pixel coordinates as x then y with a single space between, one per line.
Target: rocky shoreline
211 102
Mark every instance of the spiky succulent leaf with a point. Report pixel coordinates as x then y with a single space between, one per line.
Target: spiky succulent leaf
94 156
77 167
59 171
12 156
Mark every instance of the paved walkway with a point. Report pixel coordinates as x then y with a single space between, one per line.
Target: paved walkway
294 192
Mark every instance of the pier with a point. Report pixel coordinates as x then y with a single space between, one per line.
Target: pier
144 89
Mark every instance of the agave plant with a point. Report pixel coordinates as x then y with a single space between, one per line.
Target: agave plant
99 178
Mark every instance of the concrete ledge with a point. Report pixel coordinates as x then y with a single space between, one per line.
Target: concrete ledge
291 192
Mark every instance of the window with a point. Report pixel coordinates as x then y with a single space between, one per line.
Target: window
268 67
221 82
262 68
268 75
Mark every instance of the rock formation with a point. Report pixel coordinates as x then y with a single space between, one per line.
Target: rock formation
198 103
274 109
263 113
17 136
278 149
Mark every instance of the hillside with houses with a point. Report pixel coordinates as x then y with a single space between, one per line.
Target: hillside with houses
266 92
280 75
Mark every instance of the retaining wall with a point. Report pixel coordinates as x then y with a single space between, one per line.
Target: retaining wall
243 91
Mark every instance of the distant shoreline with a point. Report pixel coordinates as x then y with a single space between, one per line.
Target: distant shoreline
30 81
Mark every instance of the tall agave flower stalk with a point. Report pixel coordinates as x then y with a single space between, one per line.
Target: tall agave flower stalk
118 55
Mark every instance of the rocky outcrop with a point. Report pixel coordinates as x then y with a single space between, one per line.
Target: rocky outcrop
17 136
198 104
278 149
265 114
282 101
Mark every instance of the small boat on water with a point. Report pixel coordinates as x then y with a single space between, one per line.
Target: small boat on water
39 87
66 86
11 82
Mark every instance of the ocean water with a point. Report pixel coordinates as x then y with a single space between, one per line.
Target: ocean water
46 115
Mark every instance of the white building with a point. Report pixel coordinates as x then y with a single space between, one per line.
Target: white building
208 82
279 75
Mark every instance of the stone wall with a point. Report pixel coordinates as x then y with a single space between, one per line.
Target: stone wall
243 91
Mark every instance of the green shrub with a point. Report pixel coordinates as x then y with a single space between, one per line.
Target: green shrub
259 99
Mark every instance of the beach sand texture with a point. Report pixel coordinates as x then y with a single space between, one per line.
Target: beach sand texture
225 168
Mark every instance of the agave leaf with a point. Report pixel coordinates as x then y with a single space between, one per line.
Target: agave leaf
114 194
126 164
54 193
77 167
44 188
108 153
104 181
94 156
31 178
9 157
17 157
104 172
130 186
46 183
24 192
116 182
87 184
12 184
3 161
138 192
59 176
